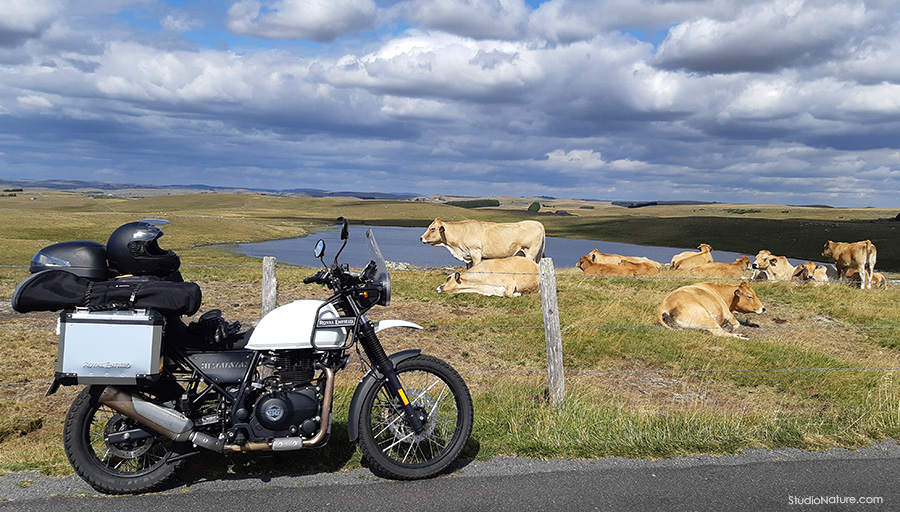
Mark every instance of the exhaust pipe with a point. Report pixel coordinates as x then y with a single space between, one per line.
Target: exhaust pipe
178 427
162 420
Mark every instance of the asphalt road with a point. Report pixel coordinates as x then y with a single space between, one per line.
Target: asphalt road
758 480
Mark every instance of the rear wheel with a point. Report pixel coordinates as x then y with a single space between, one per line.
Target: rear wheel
107 459
387 441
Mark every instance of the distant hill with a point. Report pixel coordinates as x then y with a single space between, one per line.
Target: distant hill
134 189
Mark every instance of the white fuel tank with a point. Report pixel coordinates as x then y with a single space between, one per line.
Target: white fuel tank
291 327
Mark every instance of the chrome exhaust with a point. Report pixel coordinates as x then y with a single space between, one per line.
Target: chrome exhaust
162 420
178 427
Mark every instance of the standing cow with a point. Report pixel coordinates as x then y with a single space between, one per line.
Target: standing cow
857 255
471 241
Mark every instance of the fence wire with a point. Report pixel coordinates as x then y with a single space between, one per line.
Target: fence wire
444 271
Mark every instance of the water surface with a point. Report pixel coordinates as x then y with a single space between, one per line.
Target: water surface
402 244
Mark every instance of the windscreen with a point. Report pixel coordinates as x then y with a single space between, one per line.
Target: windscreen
382 278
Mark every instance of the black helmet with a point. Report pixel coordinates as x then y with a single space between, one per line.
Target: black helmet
133 249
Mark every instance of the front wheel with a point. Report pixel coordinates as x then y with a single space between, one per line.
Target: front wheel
96 445
387 441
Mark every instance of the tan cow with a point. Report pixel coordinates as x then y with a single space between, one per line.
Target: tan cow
690 259
772 268
723 270
641 268
857 255
708 306
614 259
605 269
810 272
471 241
507 277
878 279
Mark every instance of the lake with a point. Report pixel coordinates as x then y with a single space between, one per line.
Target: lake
401 244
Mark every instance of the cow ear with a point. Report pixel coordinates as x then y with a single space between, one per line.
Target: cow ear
773 261
441 230
457 277
737 293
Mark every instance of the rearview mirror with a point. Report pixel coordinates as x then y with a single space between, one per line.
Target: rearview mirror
320 249
345 230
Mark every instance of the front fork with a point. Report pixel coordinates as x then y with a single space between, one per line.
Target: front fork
375 352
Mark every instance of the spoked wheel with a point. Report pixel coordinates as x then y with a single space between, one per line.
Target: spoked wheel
387 441
111 452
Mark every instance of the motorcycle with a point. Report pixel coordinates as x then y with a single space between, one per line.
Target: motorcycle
134 424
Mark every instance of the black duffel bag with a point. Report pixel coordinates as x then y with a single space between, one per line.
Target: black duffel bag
53 290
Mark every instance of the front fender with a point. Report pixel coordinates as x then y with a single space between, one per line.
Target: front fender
369 381
390 324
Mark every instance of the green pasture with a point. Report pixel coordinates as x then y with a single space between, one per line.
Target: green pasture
820 370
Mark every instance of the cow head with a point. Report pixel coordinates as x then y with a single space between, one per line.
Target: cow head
746 301
704 248
744 262
452 284
584 262
469 283
434 235
828 250
804 271
762 260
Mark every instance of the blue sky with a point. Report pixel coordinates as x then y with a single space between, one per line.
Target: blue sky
780 101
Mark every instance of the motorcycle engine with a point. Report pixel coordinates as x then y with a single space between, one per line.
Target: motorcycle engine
286 413
289 404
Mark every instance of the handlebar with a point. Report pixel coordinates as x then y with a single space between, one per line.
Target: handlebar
338 275
317 279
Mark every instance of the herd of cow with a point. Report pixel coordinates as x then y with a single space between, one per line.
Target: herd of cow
502 259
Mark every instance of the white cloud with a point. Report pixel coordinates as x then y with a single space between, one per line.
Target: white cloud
575 159
34 101
21 20
179 23
315 20
484 19
765 36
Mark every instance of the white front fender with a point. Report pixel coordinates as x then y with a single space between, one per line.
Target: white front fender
390 324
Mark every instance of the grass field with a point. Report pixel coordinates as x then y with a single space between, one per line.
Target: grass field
809 377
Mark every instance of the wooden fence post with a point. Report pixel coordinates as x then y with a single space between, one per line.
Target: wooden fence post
552 333
269 286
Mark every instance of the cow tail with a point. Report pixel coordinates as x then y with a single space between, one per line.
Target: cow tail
543 245
871 255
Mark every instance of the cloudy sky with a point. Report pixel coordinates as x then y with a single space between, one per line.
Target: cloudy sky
774 101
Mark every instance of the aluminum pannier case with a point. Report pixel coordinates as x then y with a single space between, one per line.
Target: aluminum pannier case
109 347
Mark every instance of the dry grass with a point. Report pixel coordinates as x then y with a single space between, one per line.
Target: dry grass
633 389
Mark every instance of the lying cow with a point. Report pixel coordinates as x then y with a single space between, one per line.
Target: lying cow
690 259
605 269
471 241
508 277
708 306
614 259
878 279
723 270
772 268
860 256
810 272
